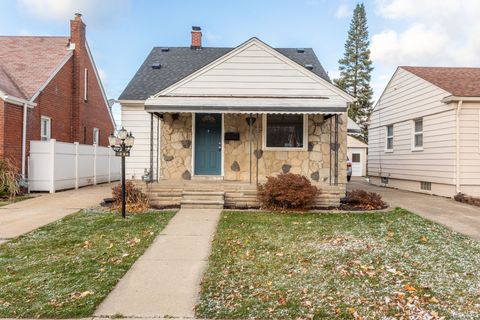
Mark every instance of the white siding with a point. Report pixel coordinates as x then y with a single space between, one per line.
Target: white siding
470 148
406 98
255 72
137 120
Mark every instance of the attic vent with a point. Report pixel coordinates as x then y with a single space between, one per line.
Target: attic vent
309 66
300 50
165 49
156 65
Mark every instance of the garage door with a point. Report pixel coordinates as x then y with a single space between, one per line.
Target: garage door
356 165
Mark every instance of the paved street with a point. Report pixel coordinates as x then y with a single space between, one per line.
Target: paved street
457 216
25 216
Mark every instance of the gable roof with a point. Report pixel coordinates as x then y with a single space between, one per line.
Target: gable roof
26 63
464 82
179 62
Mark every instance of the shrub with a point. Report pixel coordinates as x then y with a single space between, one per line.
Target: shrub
361 199
461 197
9 180
287 191
136 200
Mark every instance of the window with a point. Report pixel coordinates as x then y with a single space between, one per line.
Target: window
96 133
45 128
285 131
85 85
417 142
389 139
355 157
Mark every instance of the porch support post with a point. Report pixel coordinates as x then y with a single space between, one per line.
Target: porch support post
336 149
330 151
151 148
158 146
250 141
256 156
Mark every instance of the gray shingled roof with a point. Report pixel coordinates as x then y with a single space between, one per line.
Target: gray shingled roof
179 62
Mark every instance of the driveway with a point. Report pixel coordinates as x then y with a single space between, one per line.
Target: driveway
25 216
457 216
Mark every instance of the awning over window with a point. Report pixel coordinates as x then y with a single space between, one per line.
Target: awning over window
294 105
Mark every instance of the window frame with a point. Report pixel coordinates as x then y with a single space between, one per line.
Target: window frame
49 133
389 137
264 136
85 85
415 133
96 133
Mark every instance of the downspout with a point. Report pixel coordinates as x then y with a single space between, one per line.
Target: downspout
24 139
457 138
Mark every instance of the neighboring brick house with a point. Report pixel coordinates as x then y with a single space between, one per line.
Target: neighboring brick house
50 89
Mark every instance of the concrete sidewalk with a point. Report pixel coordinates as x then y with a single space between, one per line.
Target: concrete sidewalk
165 281
25 216
457 216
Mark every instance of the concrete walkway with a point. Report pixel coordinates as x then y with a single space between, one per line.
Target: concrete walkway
165 280
25 216
457 216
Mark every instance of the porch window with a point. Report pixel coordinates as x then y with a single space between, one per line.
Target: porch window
45 128
389 138
417 139
285 131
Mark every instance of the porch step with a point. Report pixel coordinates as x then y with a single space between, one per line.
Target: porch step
202 199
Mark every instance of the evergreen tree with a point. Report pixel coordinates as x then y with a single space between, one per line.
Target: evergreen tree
356 67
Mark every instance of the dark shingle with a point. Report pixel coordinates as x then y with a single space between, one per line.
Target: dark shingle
179 62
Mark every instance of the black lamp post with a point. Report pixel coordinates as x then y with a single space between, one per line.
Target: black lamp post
122 144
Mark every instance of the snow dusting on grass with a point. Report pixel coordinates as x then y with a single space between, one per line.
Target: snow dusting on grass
383 265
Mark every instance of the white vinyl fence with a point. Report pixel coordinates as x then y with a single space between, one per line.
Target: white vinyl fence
56 165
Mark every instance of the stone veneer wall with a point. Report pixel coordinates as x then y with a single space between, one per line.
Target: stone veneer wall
176 146
314 163
176 150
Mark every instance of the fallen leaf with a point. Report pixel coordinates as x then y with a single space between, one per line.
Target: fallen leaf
409 288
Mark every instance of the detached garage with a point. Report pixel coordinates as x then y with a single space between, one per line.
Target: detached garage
357 153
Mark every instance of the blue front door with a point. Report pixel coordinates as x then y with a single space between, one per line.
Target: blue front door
208 143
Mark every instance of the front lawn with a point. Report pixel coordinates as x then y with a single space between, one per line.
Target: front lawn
67 268
388 265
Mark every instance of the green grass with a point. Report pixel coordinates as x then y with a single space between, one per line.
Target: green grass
67 268
4 202
387 265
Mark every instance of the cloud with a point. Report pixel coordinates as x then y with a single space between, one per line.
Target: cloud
61 10
431 35
342 11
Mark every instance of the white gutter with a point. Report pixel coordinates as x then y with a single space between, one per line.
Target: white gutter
458 99
24 138
457 138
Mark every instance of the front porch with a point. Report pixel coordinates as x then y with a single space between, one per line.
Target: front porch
223 193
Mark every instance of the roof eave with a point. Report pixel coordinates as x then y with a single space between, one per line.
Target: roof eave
454 98
15 100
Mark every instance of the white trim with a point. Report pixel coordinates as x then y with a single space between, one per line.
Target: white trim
85 85
97 134
266 47
222 167
100 84
24 138
52 75
387 137
414 134
305 137
142 102
17 101
453 98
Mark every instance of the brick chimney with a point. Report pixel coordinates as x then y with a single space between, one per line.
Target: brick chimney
196 38
78 44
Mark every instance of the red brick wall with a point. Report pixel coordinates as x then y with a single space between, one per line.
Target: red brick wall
11 118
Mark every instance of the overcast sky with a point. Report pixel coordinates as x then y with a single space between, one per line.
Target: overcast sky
122 32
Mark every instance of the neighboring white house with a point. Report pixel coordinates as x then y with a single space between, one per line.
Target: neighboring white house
356 149
424 133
